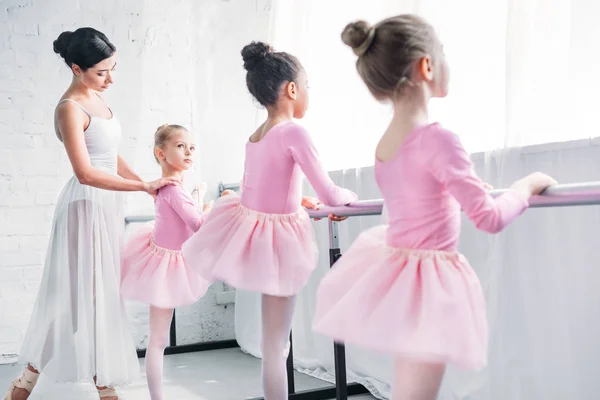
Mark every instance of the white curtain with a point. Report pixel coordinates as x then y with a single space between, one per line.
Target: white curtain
523 87
522 71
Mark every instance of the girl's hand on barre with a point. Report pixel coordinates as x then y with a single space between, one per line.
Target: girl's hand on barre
226 192
538 182
487 186
311 203
534 184
335 218
314 204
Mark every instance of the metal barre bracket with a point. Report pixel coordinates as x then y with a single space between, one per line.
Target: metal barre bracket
228 186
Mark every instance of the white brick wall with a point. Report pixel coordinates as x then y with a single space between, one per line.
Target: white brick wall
178 62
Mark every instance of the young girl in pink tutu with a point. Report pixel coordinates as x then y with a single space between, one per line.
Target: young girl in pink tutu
403 288
153 270
263 241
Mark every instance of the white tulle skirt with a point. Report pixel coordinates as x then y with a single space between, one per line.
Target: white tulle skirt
79 328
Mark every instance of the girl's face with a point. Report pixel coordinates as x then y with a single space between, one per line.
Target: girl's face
302 100
100 76
178 151
433 74
441 77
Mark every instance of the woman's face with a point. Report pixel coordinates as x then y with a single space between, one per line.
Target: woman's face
100 76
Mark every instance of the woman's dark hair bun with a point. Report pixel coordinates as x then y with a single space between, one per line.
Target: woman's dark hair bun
61 43
84 47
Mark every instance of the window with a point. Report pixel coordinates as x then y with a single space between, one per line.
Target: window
522 72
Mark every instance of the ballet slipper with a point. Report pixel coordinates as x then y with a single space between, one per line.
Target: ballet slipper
27 381
108 392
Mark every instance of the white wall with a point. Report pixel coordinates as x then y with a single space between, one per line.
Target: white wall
178 62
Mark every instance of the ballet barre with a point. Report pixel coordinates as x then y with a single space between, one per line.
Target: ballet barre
573 194
577 194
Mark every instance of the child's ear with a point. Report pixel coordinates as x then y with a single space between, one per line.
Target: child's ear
158 153
291 90
426 68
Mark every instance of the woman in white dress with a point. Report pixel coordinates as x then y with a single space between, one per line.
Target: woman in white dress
79 330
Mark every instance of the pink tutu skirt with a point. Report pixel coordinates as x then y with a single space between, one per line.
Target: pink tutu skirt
273 254
158 276
424 305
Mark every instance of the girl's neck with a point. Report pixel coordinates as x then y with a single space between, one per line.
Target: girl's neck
275 116
410 112
168 172
279 114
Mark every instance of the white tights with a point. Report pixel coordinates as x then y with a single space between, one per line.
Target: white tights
160 322
277 313
416 380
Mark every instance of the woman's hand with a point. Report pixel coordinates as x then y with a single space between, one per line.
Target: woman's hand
152 187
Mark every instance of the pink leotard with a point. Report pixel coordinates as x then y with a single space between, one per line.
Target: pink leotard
273 172
425 185
177 217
